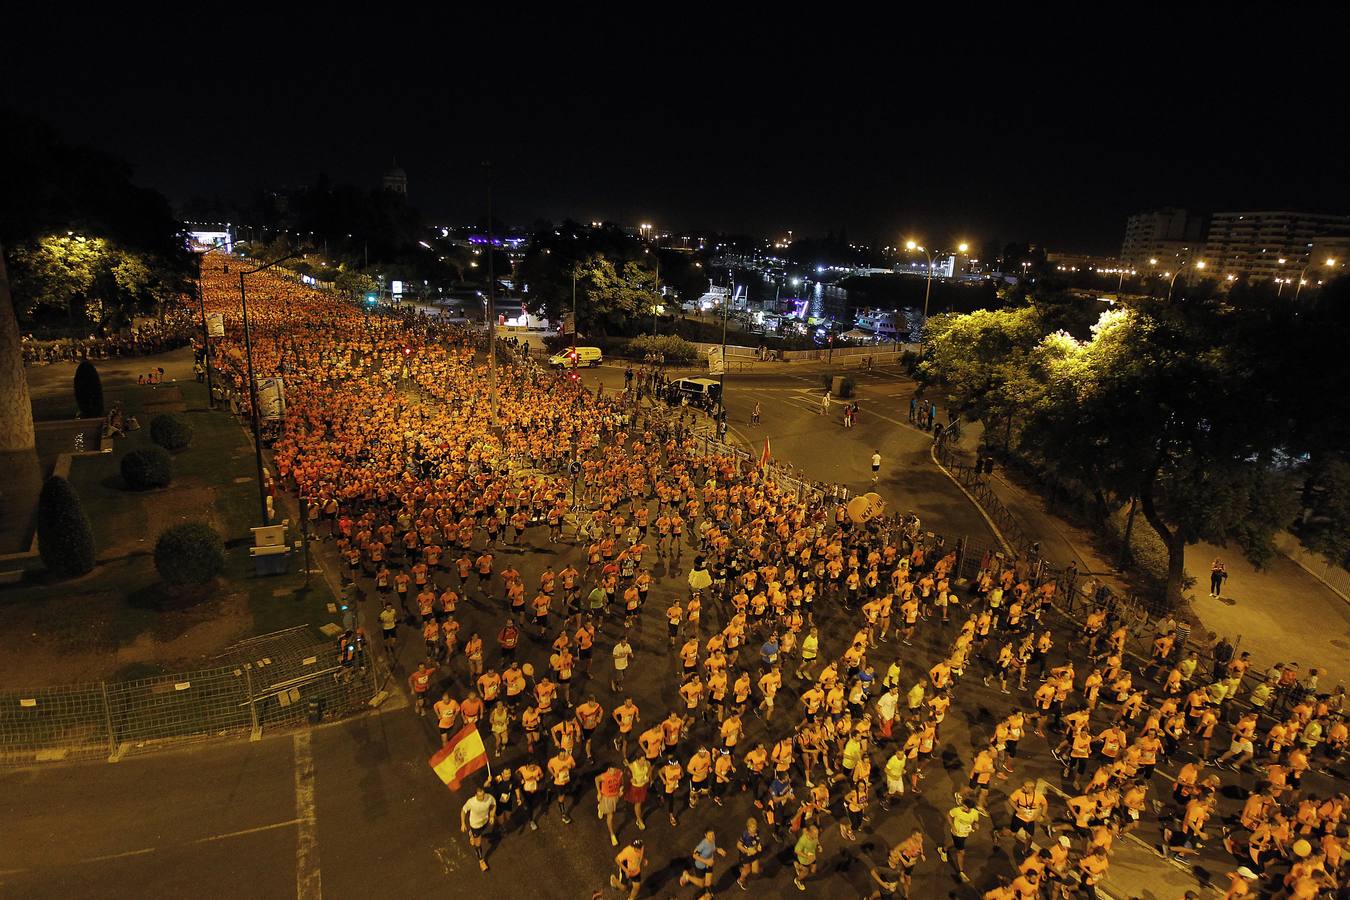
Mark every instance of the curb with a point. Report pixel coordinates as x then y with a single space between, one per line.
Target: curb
1003 542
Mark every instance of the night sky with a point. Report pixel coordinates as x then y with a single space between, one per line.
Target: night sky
944 128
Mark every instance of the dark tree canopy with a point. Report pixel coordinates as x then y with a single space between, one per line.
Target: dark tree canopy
1212 410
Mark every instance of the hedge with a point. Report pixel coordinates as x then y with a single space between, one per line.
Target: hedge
170 432
88 390
673 348
65 539
149 467
190 553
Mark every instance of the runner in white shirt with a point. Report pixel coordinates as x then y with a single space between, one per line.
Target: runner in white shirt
474 817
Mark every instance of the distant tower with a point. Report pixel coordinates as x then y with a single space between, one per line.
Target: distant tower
396 180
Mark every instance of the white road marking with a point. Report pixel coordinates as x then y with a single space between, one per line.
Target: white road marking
233 834
145 851
108 856
308 884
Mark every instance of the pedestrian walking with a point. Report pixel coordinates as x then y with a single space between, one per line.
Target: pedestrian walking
876 465
1218 574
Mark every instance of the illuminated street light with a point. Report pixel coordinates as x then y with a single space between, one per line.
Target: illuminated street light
1331 261
914 245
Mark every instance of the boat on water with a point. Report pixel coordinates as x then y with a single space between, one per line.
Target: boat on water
884 324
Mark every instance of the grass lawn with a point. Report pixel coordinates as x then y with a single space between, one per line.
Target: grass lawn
114 622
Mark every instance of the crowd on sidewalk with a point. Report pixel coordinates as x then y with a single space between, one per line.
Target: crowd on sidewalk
809 662
175 329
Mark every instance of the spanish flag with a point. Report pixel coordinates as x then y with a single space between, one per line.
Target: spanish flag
463 755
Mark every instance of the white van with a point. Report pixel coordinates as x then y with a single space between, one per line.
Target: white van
702 392
585 356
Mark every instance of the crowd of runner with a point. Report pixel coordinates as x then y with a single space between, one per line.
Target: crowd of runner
809 663
175 329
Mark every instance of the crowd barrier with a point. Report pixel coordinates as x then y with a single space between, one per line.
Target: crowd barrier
275 681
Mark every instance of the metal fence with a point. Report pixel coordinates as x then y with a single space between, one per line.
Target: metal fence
1072 586
785 480
261 685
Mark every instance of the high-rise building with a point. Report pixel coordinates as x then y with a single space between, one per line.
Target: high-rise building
1167 235
1269 244
395 180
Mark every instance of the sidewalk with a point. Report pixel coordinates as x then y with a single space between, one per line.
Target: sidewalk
1280 613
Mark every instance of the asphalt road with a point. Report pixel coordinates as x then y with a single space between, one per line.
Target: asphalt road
822 449
351 809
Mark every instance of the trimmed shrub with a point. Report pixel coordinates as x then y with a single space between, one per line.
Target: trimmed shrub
170 432
191 553
149 467
65 539
88 390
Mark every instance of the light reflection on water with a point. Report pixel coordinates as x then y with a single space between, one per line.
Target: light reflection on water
822 300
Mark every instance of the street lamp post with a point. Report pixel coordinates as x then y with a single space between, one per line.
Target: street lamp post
206 334
656 301
1200 264
253 382
932 258
492 306
1298 288
722 379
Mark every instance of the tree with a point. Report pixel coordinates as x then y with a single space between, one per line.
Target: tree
983 361
1325 523
190 553
616 277
355 284
1161 405
617 298
65 538
1185 406
16 408
88 390
58 271
78 230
